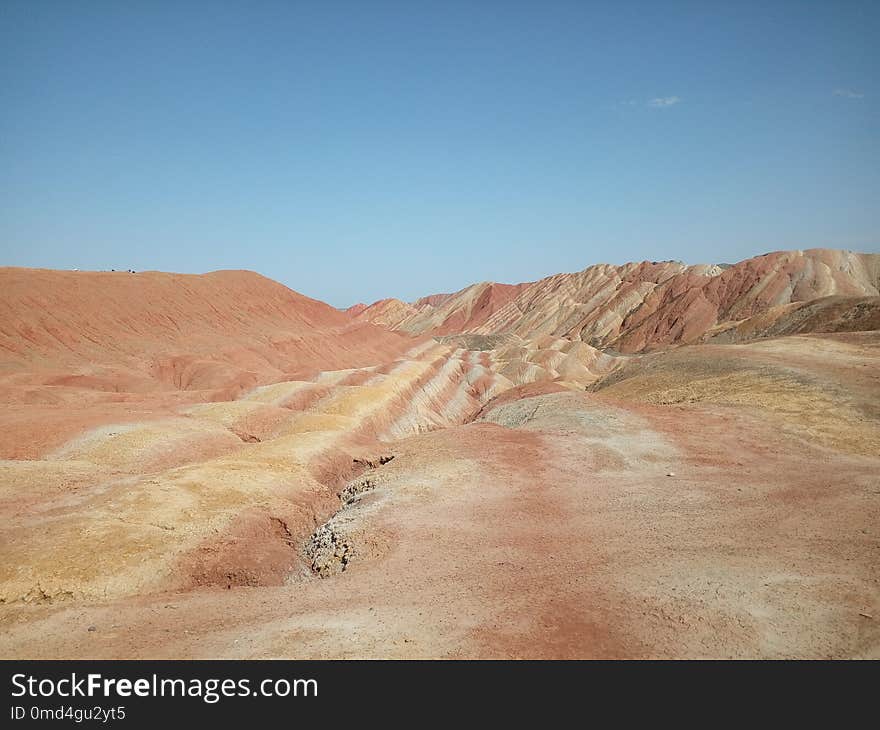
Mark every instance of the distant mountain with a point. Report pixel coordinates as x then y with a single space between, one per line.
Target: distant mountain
227 329
638 306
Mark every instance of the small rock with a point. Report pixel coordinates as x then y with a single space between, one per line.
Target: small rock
93 628
670 473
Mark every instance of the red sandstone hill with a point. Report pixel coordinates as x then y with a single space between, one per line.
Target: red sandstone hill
226 328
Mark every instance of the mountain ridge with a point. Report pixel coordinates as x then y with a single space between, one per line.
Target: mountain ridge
638 306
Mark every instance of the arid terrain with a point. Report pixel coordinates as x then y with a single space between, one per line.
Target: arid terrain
653 460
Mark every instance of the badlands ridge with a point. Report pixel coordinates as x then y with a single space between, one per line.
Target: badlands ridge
649 460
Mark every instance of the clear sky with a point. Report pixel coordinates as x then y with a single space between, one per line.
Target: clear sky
358 150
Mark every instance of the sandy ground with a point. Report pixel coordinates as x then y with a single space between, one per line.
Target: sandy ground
560 525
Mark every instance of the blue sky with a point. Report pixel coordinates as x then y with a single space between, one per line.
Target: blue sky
357 150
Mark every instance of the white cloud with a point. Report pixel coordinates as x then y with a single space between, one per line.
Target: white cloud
849 93
622 104
662 101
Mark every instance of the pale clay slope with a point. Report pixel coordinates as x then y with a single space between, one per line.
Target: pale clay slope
551 529
151 479
162 487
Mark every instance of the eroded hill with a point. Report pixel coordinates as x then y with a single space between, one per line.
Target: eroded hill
216 466
638 307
